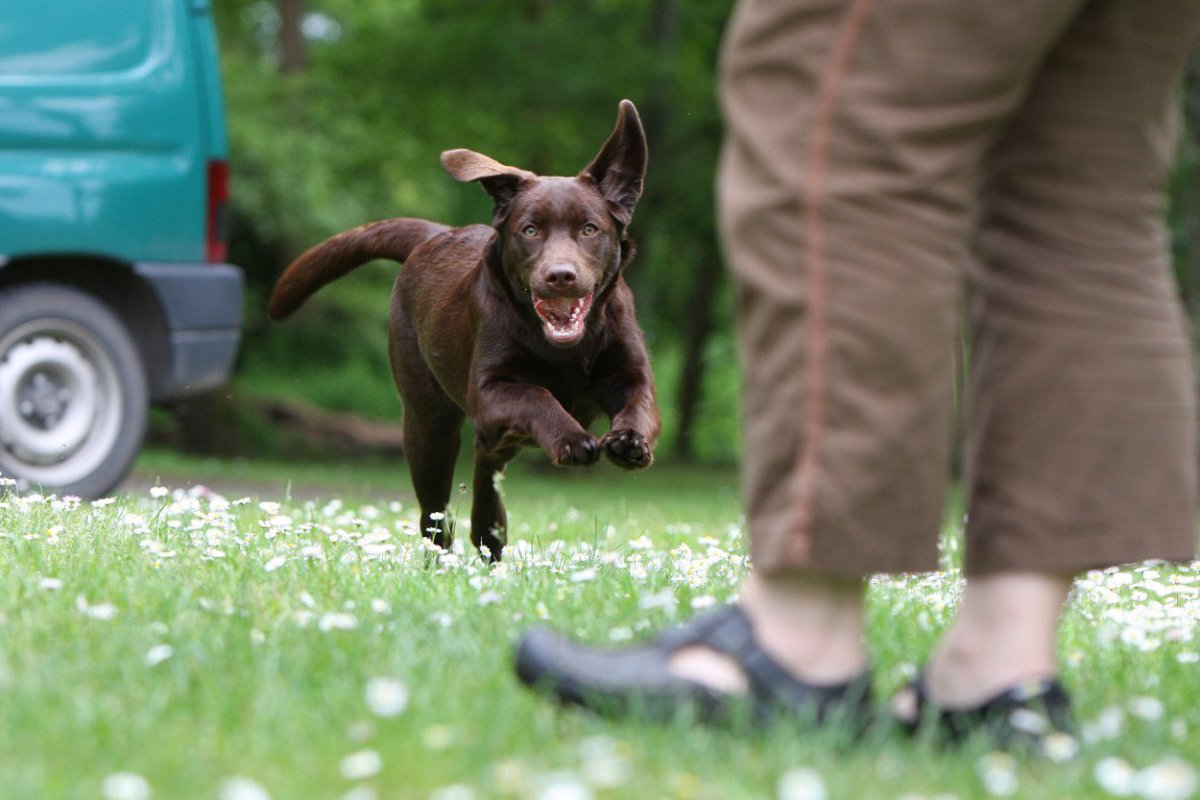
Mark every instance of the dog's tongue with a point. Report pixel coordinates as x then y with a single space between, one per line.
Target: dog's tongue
563 318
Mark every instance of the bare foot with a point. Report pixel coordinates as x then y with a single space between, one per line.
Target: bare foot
1005 632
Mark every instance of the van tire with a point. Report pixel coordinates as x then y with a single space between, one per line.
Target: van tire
73 393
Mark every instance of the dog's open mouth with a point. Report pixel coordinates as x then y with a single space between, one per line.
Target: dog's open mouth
563 318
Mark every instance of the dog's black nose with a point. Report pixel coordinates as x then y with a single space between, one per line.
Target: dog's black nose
561 276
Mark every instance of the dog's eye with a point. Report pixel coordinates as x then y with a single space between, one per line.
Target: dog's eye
590 230
530 231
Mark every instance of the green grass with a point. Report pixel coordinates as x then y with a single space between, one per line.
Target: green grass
277 619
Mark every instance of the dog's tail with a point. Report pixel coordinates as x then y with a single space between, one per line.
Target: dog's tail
334 257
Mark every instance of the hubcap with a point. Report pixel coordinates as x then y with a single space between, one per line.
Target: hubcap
48 400
43 401
60 403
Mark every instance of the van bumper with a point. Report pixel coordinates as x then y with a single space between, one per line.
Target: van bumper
202 308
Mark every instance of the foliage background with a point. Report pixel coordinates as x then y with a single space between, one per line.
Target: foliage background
346 126
338 110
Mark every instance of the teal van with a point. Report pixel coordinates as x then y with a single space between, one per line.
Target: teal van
113 183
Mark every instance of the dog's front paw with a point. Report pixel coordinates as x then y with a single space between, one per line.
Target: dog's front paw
580 449
627 449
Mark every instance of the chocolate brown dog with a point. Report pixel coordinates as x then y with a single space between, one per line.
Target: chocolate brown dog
527 326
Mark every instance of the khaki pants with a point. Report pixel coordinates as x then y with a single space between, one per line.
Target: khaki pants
887 160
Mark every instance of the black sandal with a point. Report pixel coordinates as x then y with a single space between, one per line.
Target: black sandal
637 680
1020 717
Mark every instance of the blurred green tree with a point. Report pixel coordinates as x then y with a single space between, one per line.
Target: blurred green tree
338 111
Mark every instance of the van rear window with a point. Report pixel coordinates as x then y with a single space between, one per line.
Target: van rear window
68 37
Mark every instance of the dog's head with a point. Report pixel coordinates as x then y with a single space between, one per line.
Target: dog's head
561 239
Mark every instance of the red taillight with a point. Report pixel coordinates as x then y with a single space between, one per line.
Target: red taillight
216 237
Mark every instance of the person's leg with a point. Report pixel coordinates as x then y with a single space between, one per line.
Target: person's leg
847 193
1081 442
847 198
1005 632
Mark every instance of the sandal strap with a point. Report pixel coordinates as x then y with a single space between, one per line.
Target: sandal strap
1023 713
729 631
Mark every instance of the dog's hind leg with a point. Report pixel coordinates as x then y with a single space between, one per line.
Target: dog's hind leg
489 520
431 442
432 433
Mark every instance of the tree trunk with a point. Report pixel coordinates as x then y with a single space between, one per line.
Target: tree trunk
1191 277
293 55
658 115
700 324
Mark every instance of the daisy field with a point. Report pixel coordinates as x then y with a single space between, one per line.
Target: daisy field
180 642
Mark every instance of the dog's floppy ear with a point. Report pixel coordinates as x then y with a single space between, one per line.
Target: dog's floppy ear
620 166
499 181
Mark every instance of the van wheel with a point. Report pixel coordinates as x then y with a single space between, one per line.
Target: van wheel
73 394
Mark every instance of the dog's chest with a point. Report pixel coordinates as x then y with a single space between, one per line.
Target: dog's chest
568 377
